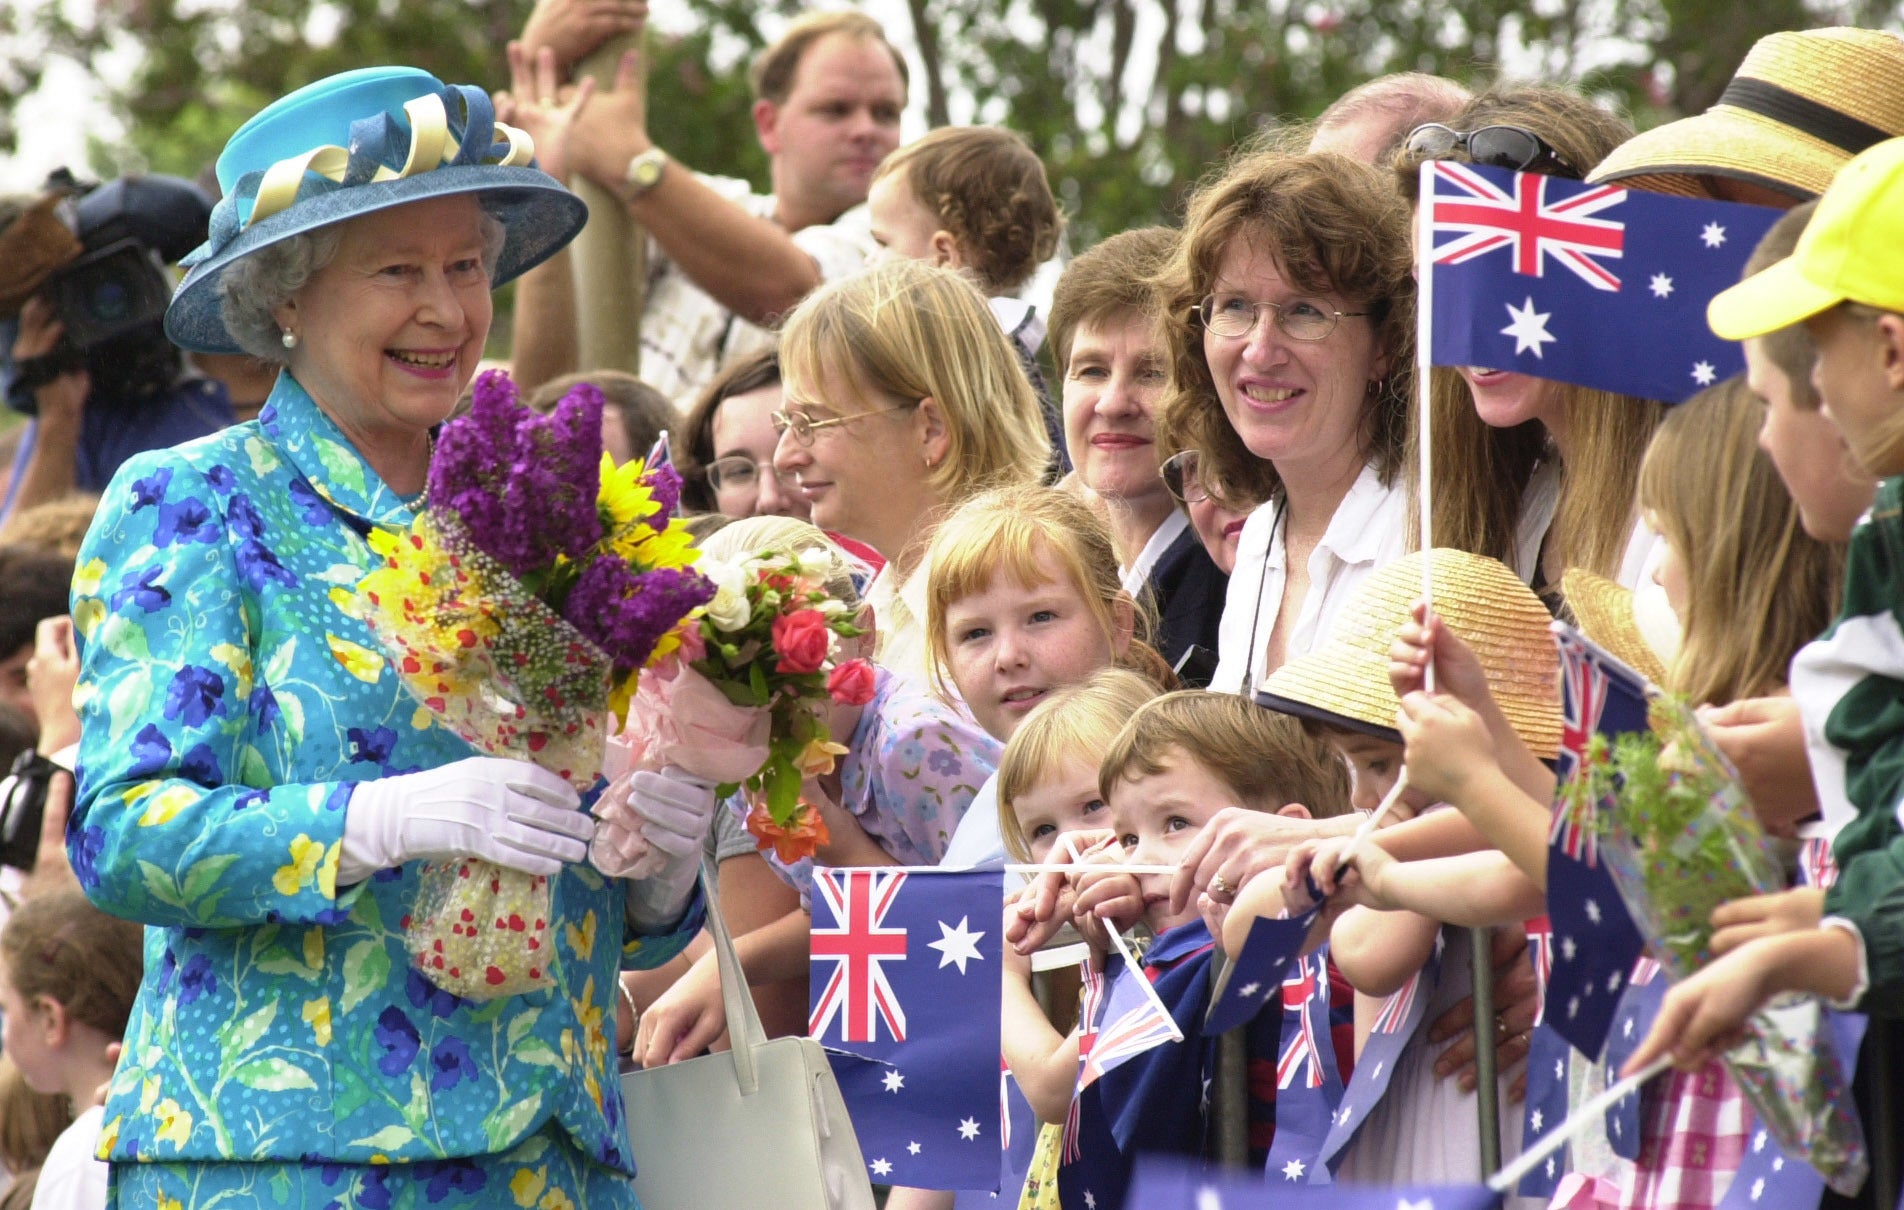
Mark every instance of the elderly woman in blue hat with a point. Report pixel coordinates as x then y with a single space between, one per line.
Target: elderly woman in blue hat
253 783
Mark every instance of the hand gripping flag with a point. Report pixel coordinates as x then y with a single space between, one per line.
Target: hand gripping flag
1163 1183
1595 942
1590 284
905 996
1394 1028
1308 1082
1768 1179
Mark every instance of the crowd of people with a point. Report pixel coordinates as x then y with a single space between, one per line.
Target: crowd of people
1138 568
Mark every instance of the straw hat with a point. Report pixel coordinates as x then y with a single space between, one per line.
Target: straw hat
1800 105
1607 613
1344 682
356 143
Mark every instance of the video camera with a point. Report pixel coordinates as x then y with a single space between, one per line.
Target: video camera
111 297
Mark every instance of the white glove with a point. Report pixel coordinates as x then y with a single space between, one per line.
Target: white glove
652 829
506 811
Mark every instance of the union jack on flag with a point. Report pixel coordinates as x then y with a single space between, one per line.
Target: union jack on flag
1136 1028
1394 1013
1485 217
1540 952
1302 1057
1090 1004
859 991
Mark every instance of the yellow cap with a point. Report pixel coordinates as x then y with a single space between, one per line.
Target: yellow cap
1852 251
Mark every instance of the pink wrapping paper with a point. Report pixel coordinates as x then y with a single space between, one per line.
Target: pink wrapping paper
683 720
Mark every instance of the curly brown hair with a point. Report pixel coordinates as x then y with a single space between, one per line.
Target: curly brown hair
1334 226
989 188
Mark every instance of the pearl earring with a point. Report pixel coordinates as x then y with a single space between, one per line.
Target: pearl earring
289 338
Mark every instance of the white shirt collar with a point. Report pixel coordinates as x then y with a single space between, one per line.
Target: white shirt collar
1137 574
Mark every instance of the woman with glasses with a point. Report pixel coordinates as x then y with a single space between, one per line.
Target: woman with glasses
1113 370
1289 310
1536 473
727 446
903 398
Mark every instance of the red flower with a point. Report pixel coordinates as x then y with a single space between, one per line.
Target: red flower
851 684
801 837
802 640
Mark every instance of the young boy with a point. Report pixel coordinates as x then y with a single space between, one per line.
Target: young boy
1845 283
1180 759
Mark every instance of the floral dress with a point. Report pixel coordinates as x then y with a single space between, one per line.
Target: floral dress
281 1051
911 770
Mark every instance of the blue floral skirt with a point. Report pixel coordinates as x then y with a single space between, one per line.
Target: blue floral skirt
543 1172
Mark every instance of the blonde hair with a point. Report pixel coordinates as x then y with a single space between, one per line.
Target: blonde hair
1263 758
989 189
1333 226
772 73
1758 587
1077 722
915 331
1481 473
738 541
30 1123
58 526
1030 533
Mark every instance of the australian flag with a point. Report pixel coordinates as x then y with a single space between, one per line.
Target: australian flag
1393 1029
1590 284
1308 1081
1645 993
1548 1059
1255 977
1595 942
1162 1183
905 996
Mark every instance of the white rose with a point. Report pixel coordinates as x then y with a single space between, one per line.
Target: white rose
729 609
814 561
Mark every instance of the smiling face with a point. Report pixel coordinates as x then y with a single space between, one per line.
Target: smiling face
743 428
865 478
1009 646
1112 385
1299 404
1505 400
1064 800
390 331
840 119
1156 817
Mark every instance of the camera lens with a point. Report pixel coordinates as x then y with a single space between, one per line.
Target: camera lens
109 301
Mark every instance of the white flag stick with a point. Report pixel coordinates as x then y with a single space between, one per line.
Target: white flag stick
1424 356
1136 968
1374 819
1592 1111
1031 869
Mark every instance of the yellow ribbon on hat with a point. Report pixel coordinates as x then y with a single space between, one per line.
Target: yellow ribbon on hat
431 146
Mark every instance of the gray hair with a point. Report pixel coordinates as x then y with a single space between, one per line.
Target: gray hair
252 288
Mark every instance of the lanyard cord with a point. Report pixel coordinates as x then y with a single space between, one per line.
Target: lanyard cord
1262 583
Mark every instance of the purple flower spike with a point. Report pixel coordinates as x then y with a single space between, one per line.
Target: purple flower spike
665 482
625 613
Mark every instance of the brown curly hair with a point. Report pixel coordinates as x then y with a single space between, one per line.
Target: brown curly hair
990 190
1334 226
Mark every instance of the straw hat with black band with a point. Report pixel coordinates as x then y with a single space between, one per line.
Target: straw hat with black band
1800 106
1343 683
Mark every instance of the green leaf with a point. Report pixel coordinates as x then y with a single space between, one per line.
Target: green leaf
535 1052
293 710
366 968
757 680
272 1074
390 1138
123 637
127 703
277 665
200 875
503 1126
160 886
519 1027
245 1034
345 469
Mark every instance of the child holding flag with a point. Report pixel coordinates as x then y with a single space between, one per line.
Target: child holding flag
1845 282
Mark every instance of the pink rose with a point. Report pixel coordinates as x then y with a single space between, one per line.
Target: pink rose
851 684
802 641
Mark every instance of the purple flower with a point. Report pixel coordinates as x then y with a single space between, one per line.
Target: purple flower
194 695
196 979
399 1039
625 612
665 482
451 1062
186 520
143 590
83 847
150 490
440 1178
151 752
423 993
523 486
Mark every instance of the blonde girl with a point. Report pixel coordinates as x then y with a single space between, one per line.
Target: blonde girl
903 399
68 976
1536 473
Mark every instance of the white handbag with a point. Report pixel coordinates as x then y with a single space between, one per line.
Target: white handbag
760 1125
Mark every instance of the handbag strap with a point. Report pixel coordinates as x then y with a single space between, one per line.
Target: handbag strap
744 1031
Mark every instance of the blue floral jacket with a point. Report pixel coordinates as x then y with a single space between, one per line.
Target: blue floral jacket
229 702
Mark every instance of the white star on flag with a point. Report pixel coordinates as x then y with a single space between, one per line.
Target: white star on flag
1090 1200
1758 1141
1662 285
968 1129
893 1081
1249 989
1573 1007
1703 373
1568 949
1713 235
1529 329
913 1148
1378 1070
1209 1199
1626 1028
881 1168
1758 1188
1619 1128
1778 1163
1593 911
1292 1170
956 945
1534 1120
1560 1069
1426 1203
1550 1167
1613 981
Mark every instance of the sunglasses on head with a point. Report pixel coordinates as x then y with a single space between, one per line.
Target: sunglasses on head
1512 147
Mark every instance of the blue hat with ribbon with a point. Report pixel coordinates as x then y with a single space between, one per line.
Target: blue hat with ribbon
356 143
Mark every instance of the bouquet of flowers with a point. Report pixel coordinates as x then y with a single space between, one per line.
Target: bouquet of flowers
1680 837
520 608
746 702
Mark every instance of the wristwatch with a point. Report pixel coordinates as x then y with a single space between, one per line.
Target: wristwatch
644 171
